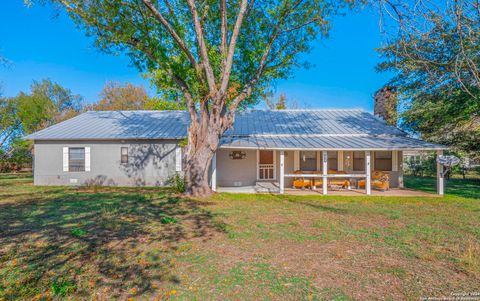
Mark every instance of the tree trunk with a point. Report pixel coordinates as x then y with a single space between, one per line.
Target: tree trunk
200 150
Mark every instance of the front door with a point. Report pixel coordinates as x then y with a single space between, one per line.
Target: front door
266 165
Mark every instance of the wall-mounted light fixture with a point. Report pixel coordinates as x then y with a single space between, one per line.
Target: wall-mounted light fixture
237 155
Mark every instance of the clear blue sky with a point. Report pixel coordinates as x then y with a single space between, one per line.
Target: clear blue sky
42 46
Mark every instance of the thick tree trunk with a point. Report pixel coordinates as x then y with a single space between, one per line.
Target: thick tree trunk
200 150
196 173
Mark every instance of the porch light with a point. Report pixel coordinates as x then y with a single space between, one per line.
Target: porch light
237 155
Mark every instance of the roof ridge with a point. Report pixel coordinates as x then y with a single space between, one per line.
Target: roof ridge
309 110
160 111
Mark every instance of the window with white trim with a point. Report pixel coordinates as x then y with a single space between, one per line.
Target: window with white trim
76 159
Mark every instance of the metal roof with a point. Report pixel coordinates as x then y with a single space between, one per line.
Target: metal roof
310 122
108 125
357 142
282 129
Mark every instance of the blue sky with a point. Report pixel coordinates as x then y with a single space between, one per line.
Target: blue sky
42 46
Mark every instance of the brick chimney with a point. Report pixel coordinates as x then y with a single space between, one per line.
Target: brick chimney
385 104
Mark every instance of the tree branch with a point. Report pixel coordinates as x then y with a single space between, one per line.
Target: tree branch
223 28
202 46
158 15
231 48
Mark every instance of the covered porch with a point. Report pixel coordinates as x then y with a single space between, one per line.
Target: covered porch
307 172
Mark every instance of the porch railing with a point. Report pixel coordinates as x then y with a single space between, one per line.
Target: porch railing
266 171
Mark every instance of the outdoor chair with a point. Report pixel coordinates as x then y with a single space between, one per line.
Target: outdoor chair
380 181
344 183
300 182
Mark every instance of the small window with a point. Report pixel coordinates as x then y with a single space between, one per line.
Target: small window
358 161
308 161
383 161
124 155
76 159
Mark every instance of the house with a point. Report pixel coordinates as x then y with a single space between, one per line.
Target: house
263 149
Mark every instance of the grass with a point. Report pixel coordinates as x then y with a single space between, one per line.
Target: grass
59 243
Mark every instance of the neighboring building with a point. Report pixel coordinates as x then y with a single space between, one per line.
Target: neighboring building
136 148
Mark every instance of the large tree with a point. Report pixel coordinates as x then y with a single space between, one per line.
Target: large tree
434 51
218 56
115 96
47 103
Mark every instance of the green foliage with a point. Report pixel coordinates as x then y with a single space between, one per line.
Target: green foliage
285 27
46 104
78 232
116 97
177 182
156 103
168 220
62 287
437 66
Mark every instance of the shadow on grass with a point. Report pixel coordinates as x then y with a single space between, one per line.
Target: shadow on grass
457 187
112 239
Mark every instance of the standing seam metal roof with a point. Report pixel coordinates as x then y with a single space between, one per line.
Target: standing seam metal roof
278 129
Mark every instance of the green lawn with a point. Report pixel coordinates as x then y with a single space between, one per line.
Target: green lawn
61 243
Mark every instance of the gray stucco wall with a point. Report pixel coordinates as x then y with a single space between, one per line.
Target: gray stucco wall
236 172
243 172
151 163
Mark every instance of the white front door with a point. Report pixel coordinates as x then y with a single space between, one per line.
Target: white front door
266 165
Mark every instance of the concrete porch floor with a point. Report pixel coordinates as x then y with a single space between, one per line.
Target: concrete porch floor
268 187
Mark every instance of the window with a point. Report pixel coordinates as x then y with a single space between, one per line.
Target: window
124 155
332 160
383 161
76 159
308 161
358 161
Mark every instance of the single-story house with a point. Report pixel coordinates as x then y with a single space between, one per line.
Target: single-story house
142 148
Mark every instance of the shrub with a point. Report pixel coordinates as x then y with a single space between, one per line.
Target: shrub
177 182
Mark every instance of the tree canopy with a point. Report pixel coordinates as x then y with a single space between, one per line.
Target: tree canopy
216 56
434 54
46 104
116 96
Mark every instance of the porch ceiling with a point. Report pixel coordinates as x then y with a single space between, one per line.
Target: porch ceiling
328 142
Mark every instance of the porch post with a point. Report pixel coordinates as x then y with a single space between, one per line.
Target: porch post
340 160
368 184
296 160
214 172
324 171
282 171
440 178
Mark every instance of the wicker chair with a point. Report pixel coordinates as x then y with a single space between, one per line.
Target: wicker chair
380 181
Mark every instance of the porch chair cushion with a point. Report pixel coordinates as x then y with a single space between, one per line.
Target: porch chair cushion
344 183
380 180
300 182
